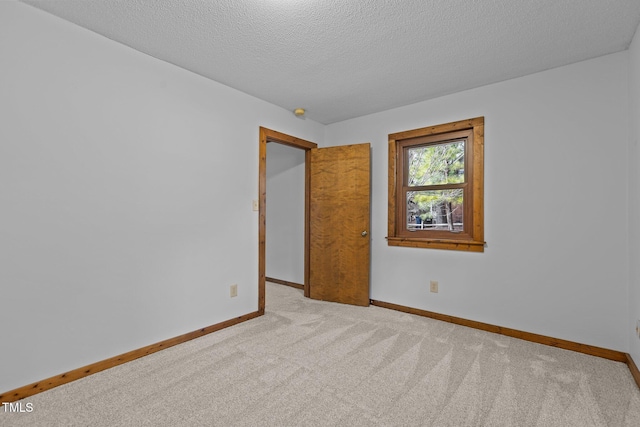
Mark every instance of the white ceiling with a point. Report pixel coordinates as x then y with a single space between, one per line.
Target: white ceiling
343 59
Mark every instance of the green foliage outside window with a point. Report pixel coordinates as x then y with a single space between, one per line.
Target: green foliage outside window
431 166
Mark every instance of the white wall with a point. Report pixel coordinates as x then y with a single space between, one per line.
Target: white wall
125 188
556 142
285 213
634 196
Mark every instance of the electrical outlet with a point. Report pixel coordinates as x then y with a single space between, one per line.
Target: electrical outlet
433 286
256 205
233 290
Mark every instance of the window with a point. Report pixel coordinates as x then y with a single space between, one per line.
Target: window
436 187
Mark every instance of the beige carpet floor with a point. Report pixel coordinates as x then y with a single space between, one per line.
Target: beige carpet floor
321 364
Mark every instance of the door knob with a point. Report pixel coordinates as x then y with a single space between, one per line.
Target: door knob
364 233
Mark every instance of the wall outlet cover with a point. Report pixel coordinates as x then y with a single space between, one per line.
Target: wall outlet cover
433 286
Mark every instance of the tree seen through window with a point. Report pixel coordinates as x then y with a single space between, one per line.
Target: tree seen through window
436 165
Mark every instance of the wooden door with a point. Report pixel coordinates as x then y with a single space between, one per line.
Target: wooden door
339 192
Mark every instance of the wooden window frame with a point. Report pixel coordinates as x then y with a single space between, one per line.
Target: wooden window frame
472 237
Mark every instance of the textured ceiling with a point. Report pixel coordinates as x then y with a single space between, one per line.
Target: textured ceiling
343 59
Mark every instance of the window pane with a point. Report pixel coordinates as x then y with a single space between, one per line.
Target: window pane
436 164
435 210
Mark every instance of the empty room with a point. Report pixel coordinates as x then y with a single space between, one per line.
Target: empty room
304 212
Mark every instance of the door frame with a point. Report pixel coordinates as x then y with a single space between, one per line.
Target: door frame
266 136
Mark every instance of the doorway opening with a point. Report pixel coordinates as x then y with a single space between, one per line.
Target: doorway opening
270 136
285 215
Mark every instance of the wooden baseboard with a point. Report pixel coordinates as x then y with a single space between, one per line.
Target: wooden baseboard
618 356
635 373
605 353
49 383
284 282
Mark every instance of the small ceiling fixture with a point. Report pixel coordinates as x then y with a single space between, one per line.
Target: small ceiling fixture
299 112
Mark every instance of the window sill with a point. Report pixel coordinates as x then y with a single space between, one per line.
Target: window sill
449 244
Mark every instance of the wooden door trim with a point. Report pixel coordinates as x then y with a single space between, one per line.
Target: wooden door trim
266 136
